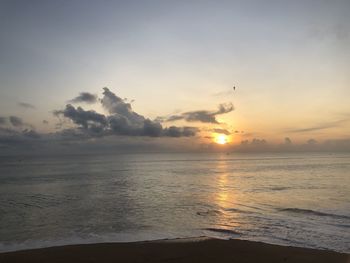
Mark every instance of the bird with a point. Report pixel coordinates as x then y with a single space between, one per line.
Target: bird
234 87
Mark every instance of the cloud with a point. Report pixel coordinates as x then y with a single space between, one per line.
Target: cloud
201 115
174 131
26 105
86 119
287 141
258 141
244 142
311 142
342 145
222 131
14 133
31 133
3 120
254 142
11 137
6 131
125 129
122 120
315 128
261 145
255 145
321 126
45 122
85 97
16 121
121 111
13 121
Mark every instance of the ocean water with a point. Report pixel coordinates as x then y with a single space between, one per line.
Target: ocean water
288 199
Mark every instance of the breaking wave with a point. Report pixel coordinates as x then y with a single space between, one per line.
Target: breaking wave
311 212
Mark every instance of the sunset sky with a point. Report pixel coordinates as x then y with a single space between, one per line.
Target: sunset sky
176 63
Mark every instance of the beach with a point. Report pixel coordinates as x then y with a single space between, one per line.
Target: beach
176 250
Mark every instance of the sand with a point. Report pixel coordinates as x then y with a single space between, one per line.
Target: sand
195 250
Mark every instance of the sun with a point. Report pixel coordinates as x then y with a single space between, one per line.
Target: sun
221 139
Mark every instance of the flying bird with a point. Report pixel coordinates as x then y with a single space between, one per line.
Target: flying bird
234 87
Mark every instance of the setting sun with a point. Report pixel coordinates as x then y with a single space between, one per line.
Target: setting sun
221 139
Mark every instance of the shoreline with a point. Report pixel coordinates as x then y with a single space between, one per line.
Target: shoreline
196 249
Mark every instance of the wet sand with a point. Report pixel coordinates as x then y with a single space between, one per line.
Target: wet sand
179 250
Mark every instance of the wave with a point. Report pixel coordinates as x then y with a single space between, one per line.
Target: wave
340 225
209 213
279 188
213 212
224 231
92 238
236 210
311 212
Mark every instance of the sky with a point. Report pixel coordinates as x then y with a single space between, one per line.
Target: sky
174 64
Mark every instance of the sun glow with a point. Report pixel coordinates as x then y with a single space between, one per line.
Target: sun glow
221 139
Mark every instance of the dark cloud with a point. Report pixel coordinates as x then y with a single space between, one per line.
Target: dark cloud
222 131
152 129
3 120
26 105
201 115
321 126
71 134
258 141
224 108
311 142
16 121
121 121
13 121
13 138
88 120
85 97
189 131
117 106
7 131
132 127
31 134
244 142
342 145
315 128
287 141
254 145
174 131
255 142
261 145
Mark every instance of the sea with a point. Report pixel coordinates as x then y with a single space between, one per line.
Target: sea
291 199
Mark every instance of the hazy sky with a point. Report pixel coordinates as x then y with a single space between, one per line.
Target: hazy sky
289 60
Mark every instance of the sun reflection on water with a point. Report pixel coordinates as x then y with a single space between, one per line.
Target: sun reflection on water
224 197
